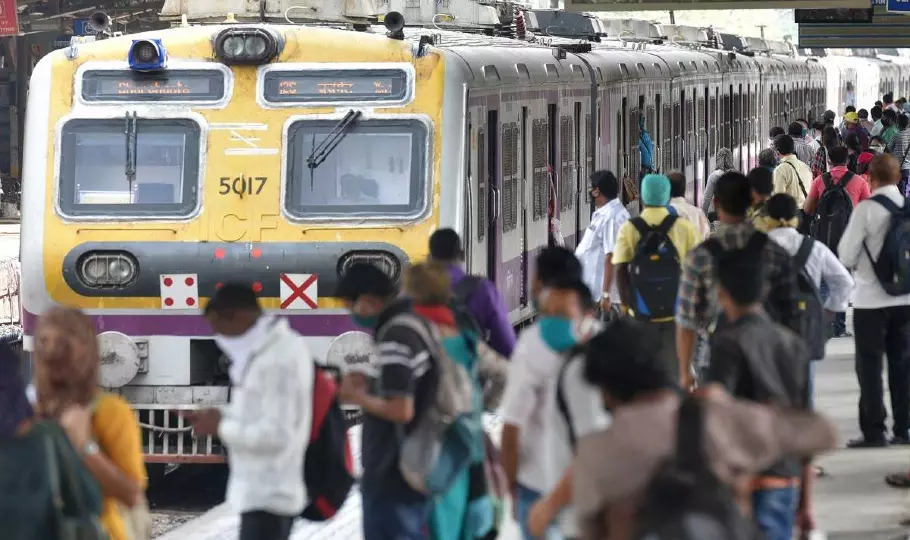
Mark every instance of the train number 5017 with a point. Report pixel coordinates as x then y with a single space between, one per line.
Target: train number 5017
242 185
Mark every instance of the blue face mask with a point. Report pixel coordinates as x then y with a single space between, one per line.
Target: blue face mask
557 333
366 322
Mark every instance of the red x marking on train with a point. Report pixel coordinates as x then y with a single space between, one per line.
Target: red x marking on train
298 291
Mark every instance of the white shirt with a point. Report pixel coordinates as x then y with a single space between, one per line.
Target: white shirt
868 225
586 410
694 214
821 264
533 367
266 426
813 144
598 242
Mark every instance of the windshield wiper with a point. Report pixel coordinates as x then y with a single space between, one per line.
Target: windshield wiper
332 140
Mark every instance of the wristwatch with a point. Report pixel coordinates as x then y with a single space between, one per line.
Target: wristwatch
605 296
89 449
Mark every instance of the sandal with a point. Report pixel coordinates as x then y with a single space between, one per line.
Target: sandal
820 472
898 480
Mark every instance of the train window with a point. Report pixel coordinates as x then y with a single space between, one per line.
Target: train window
682 67
481 185
706 65
666 155
539 148
552 72
694 66
641 68
567 162
164 164
589 146
378 168
509 177
625 70
658 68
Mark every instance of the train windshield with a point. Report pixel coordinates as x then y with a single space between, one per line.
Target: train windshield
377 170
143 167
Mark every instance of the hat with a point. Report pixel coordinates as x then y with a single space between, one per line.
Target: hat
851 117
655 190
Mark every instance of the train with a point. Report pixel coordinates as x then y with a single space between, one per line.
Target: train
159 166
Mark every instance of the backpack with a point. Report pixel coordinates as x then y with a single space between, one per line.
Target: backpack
328 466
73 517
685 500
893 265
654 270
440 443
833 212
813 327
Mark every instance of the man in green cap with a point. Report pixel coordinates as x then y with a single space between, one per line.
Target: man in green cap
648 260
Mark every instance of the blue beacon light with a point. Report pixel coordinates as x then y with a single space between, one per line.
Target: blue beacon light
147 55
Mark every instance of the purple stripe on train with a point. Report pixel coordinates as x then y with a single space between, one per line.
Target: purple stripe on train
312 325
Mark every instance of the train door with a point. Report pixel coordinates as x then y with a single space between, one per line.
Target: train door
479 195
679 132
470 202
567 183
691 143
494 193
701 171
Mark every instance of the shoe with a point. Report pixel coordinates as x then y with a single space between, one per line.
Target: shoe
901 440
845 334
867 443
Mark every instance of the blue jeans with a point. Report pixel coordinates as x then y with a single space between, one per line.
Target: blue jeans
774 511
839 326
387 519
526 499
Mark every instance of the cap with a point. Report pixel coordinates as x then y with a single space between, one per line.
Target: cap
655 190
851 117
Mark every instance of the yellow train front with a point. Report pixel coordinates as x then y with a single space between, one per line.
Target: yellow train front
158 166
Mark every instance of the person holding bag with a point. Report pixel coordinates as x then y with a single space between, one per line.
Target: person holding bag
102 427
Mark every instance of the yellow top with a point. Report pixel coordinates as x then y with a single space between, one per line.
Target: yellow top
682 234
119 437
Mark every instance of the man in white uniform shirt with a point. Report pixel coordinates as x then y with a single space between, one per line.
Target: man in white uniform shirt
881 322
595 251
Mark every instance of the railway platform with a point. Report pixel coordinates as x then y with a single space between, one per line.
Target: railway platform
852 500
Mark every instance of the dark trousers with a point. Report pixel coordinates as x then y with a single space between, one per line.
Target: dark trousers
879 332
265 526
666 333
387 519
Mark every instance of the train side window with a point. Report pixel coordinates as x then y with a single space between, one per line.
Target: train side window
94 160
677 130
539 163
666 155
567 161
688 118
589 147
509 177
634 153
481 185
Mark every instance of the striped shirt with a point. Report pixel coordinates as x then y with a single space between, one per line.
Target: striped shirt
899 147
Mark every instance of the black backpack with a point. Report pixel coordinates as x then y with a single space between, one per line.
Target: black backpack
813 324
685 500
654 271
833 211
893 265
328 466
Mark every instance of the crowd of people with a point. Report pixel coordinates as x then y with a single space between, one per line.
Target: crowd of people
666 384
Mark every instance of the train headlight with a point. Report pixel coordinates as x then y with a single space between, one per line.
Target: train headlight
147 55
252 46
108 269
383 260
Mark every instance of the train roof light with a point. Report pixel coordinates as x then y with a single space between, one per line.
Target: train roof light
147 55
251 46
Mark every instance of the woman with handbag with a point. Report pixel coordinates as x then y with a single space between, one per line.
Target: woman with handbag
101 426
45 493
